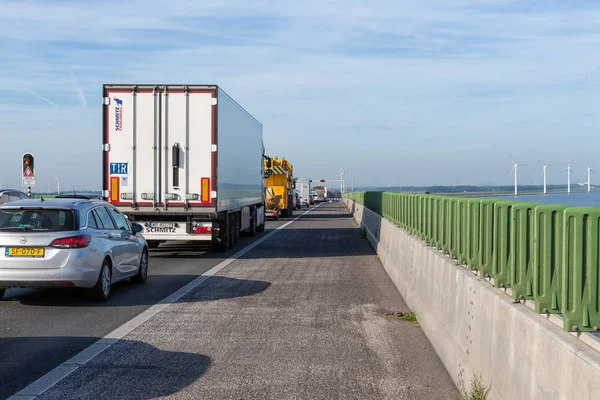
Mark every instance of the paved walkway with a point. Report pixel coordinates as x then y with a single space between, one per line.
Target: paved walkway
301 316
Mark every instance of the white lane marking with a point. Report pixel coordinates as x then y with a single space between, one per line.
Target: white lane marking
71 365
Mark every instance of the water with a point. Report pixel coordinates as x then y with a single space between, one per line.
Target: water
579 199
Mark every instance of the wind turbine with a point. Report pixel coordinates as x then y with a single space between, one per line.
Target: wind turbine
589 181
569 172
545 167
515 168
58 181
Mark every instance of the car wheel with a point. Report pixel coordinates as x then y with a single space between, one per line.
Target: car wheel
101 290
142 274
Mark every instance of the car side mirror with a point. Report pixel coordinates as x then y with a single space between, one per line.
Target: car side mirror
136 228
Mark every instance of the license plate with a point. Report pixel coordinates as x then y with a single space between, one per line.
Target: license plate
24 252
161 224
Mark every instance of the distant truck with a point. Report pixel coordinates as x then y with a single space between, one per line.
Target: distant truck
321 193
303 190
185 162
279 177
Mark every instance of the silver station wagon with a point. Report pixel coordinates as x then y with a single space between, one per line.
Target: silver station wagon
69 243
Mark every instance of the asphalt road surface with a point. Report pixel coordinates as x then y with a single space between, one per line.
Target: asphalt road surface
306 314
39 329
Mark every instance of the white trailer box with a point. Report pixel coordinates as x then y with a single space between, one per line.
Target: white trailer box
184 161
303 189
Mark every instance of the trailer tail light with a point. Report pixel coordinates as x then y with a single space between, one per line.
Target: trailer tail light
202 230
115 183
205 190
73 242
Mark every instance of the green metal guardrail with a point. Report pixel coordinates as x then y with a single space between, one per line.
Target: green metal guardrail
545 253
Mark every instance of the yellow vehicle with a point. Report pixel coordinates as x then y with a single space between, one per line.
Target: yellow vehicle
279 181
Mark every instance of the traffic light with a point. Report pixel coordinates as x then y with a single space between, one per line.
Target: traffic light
28 167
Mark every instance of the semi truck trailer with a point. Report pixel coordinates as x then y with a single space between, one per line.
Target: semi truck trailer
184 161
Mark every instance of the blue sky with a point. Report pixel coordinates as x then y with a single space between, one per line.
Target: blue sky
401 92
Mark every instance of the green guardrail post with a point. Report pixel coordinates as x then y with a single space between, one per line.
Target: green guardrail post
462 229
521 262
440 215
473 232
501 246
548 229
580 297
486 237
451 237
429 219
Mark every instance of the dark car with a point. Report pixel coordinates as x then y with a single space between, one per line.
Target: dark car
83 196
297 201
8 195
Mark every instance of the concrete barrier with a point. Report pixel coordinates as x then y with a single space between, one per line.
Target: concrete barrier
475 328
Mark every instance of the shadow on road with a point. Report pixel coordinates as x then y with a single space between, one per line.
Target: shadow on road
128 369
214 288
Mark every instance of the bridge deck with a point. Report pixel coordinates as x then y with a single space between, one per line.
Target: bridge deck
302 315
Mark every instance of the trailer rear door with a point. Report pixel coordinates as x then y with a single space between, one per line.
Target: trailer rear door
159 145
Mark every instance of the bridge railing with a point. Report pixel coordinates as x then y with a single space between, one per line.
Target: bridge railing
548 254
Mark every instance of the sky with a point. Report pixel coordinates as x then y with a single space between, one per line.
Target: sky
402 93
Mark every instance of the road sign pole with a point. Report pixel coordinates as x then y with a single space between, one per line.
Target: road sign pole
29 191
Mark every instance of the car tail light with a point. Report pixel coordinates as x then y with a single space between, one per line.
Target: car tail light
73 242
202 230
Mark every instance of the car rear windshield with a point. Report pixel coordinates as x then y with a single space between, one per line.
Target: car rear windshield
36 220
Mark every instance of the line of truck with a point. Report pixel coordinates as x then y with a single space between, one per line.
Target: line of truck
188 163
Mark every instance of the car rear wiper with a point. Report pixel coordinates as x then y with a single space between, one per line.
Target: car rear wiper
16 228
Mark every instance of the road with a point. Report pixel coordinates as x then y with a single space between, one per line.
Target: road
308 312
39 329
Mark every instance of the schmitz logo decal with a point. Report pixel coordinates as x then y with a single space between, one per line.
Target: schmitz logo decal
118 114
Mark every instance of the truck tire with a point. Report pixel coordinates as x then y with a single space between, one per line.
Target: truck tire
232 228
284 214
225 237
153 244
253 228
237 227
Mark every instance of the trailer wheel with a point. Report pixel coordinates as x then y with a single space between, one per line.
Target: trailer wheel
253 228
237 227
224 236
231 230
153 244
